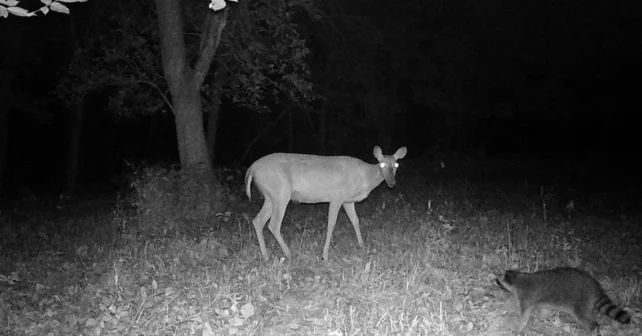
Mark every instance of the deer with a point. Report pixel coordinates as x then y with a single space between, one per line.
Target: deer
302 178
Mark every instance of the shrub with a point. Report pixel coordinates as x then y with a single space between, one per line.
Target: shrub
173 202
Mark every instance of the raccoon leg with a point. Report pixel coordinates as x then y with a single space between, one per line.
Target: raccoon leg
585 317
523 319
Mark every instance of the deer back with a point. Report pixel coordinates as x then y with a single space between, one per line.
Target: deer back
315 179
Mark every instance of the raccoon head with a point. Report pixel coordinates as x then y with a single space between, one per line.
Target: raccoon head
506 280
510 276
499 284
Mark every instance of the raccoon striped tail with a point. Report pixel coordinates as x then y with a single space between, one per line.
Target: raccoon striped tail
605 306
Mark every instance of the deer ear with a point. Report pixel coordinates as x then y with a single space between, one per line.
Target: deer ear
401 153
377 153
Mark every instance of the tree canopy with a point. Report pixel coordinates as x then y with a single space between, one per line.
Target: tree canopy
260 50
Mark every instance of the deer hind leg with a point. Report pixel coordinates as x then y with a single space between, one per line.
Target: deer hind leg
278 212
259 222
352 215
332 221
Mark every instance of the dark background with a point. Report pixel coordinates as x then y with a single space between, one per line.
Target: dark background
543 80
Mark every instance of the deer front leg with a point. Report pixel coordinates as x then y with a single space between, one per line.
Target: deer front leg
352 215
332 221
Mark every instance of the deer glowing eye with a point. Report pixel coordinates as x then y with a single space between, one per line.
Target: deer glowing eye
382 165
396 165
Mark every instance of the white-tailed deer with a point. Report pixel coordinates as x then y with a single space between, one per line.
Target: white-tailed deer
338 180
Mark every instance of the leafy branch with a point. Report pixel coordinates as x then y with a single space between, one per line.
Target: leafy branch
11 7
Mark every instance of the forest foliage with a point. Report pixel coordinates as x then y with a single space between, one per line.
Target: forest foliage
415 72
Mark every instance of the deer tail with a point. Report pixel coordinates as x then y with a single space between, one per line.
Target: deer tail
248 183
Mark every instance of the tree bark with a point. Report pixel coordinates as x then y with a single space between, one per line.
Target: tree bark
212 128
184 82
323 136
75 124
290 132
220 78
189 128
8 66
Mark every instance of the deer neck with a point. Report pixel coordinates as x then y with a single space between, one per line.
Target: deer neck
373 177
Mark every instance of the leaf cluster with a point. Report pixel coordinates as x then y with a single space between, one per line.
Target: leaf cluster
266 54
13 7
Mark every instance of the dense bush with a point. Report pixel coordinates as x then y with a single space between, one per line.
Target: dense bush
175 202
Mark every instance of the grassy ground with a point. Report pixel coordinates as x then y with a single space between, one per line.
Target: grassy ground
433 247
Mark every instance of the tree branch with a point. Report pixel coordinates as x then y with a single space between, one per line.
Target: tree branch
260 135
210 40
170 25
161 93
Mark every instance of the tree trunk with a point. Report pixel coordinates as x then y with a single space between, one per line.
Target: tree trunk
184 82
189 128
290 133
323 147
212 128
220 78
75 124
4 127
8 66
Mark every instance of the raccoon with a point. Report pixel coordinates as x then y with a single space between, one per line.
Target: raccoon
563 289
